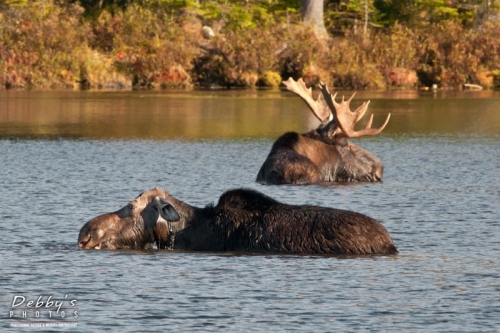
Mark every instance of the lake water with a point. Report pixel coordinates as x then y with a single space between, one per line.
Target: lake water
66 157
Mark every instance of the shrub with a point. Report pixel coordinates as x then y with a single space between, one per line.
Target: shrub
269 79
145 44
40 45
153 44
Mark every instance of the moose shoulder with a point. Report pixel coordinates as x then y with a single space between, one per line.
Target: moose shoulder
246 220
323 154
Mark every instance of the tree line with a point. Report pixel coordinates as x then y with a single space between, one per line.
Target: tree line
362 44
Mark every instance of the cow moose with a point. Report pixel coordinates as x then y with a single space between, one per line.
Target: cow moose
243 220
323 155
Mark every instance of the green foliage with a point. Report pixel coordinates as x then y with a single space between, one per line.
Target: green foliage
419 13
13 2
269 79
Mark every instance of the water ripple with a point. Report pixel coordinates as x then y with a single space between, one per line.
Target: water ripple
442 215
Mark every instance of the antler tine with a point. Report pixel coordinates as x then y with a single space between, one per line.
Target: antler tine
369 123
346 119
329 99
318 109
375 131
360 111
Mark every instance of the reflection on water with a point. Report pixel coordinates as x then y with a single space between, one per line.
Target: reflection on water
231 114
439 201
126 115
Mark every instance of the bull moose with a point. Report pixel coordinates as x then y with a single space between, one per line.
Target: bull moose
243 220
323 154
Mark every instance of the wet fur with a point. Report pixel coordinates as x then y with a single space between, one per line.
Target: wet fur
243 220
246 220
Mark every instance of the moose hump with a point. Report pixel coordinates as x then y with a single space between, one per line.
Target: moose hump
323 154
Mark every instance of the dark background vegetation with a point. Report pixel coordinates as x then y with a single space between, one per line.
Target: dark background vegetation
370 44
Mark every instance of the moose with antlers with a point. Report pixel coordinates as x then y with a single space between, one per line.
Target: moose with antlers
323 155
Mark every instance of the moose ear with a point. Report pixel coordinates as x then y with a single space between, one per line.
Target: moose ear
167 211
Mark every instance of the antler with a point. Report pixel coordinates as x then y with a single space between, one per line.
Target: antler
346 119
320 110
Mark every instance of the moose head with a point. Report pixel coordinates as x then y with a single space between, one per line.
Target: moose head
323 154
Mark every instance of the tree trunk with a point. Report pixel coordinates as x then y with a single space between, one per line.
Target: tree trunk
365 26
312 15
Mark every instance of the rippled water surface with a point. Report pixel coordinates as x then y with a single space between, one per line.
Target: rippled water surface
66 158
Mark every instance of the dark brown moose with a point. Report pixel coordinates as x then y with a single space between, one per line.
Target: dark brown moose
242 220
323 154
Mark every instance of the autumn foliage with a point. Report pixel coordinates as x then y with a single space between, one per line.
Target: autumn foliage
54 44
